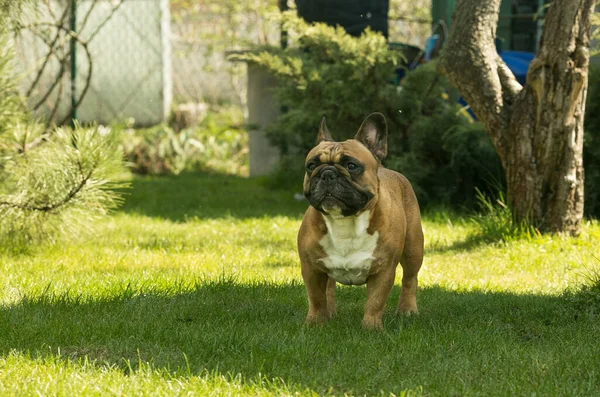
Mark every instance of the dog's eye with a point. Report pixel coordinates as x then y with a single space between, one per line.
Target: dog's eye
351 166
311 166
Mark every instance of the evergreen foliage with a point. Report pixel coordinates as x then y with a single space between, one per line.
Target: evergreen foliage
591 144
50 181
447 156
330 73
61 184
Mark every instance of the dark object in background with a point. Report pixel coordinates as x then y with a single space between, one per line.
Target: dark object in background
353 15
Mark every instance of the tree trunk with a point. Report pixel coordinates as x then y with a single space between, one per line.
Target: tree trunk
537 129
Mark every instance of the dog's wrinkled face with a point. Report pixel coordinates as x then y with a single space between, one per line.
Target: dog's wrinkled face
341 177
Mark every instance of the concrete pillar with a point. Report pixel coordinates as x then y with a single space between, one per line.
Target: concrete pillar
263 108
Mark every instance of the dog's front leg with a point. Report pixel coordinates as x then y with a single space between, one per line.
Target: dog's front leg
316 289
379 286
331 297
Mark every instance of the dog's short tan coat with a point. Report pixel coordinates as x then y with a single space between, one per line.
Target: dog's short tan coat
367 245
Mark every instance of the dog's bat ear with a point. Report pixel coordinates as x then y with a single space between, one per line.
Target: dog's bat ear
373 134
324 134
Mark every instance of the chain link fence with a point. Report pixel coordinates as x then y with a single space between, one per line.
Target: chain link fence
98 60
203 31
128 59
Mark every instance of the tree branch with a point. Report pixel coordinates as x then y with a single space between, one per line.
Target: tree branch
510 86
62 60
51 45
54 43
58 204
470 61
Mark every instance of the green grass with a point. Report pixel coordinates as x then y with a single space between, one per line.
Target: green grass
194 288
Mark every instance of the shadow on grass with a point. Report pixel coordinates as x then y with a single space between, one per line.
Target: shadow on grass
471 242
462 342
185 196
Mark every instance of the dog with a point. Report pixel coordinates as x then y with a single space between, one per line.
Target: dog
362 221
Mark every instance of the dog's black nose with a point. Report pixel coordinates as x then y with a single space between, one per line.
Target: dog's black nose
329 174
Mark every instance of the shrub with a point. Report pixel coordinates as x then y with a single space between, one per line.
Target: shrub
329 73
217 144
50 179
447 156
591 145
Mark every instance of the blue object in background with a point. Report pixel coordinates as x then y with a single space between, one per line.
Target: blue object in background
518 62
430 43
410 60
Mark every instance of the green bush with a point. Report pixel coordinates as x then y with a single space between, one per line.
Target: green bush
51 179
446 155
332 74
217 144
58 186
329 73
591 145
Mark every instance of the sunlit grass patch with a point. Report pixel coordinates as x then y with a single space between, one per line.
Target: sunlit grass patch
194 287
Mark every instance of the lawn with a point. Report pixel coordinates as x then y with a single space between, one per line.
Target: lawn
194 288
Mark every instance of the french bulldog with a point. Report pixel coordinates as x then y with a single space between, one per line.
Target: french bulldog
362 221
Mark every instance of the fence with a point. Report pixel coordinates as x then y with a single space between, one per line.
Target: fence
204 32
98 60
122 62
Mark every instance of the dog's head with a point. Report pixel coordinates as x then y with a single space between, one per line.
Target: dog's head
341 177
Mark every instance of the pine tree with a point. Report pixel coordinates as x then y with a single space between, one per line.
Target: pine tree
50 180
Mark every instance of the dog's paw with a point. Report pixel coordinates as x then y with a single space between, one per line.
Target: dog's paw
316 319
372 323
407 311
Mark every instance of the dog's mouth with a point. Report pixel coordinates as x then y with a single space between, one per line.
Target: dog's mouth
325 201
331 197
335 202
332 205
339 196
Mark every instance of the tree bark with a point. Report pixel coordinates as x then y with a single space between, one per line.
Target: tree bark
537 129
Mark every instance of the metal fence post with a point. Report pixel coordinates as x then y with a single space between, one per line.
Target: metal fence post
73 62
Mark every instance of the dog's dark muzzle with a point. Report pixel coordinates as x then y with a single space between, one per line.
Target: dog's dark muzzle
329 174
329 182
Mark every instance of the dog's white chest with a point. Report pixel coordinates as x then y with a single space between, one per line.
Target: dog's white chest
348 248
